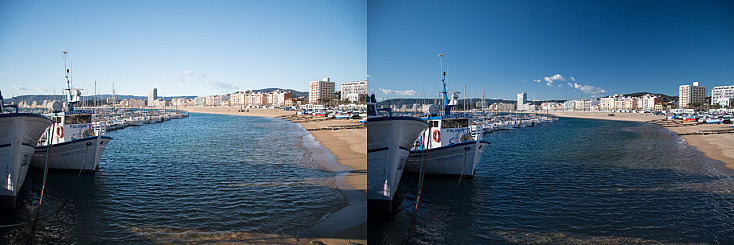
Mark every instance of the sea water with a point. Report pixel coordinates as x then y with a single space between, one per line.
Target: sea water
571 182
205 178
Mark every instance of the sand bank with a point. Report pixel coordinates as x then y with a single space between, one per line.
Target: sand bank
346 155
715 146
233 110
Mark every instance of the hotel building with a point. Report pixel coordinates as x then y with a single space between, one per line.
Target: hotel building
522 98
323 89
352 90
691 93
722 95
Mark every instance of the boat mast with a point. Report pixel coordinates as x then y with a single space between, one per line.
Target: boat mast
68 80
114 97
482 101
446 107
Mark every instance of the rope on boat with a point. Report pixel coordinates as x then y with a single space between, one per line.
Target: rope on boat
43 188
462 172
418 199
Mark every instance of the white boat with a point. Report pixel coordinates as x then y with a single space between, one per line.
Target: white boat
388 144
448 146
75 145
19 133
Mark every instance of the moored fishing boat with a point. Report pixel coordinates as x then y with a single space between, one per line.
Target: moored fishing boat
75 144
448 146
19 133
388 144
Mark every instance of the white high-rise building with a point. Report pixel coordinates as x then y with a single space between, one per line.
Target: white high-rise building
323 89
722 95
352 90
522 98
691 93
152 96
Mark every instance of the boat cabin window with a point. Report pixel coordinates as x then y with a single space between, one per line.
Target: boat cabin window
455 123
434 124
57 119
78 119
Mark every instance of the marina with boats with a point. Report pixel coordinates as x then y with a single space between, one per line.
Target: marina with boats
66 138
441 143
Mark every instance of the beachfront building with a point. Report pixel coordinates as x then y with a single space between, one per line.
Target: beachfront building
352 90
256 99
688 94
522 98
649 101
321 90
722 95
502 107
279 98
152 96
238 98
133 103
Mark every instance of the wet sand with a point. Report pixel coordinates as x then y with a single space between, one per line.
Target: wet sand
345 155
715 146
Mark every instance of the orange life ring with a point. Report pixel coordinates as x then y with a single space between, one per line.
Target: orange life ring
436 135
60 131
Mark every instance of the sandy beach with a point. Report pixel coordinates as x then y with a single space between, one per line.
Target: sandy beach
346 143
715 146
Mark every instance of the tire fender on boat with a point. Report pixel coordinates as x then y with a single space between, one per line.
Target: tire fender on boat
436 135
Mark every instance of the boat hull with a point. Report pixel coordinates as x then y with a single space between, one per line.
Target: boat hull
388 144
19 133
82 154
456 159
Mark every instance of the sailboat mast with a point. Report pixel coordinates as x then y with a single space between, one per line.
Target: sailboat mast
482 100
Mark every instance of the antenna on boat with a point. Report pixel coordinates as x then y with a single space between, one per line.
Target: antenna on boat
446 108
68 79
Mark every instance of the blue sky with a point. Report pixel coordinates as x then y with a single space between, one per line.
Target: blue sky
549 49
180 47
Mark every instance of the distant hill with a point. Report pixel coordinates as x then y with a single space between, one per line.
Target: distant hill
295 93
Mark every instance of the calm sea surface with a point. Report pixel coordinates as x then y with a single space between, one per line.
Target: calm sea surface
575 181
199 179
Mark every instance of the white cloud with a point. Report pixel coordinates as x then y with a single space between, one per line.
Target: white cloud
221 86
22 88
537 80
571 82
191 76
549 80
409 92
587 89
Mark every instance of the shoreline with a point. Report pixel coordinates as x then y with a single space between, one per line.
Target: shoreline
714 146
343 152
